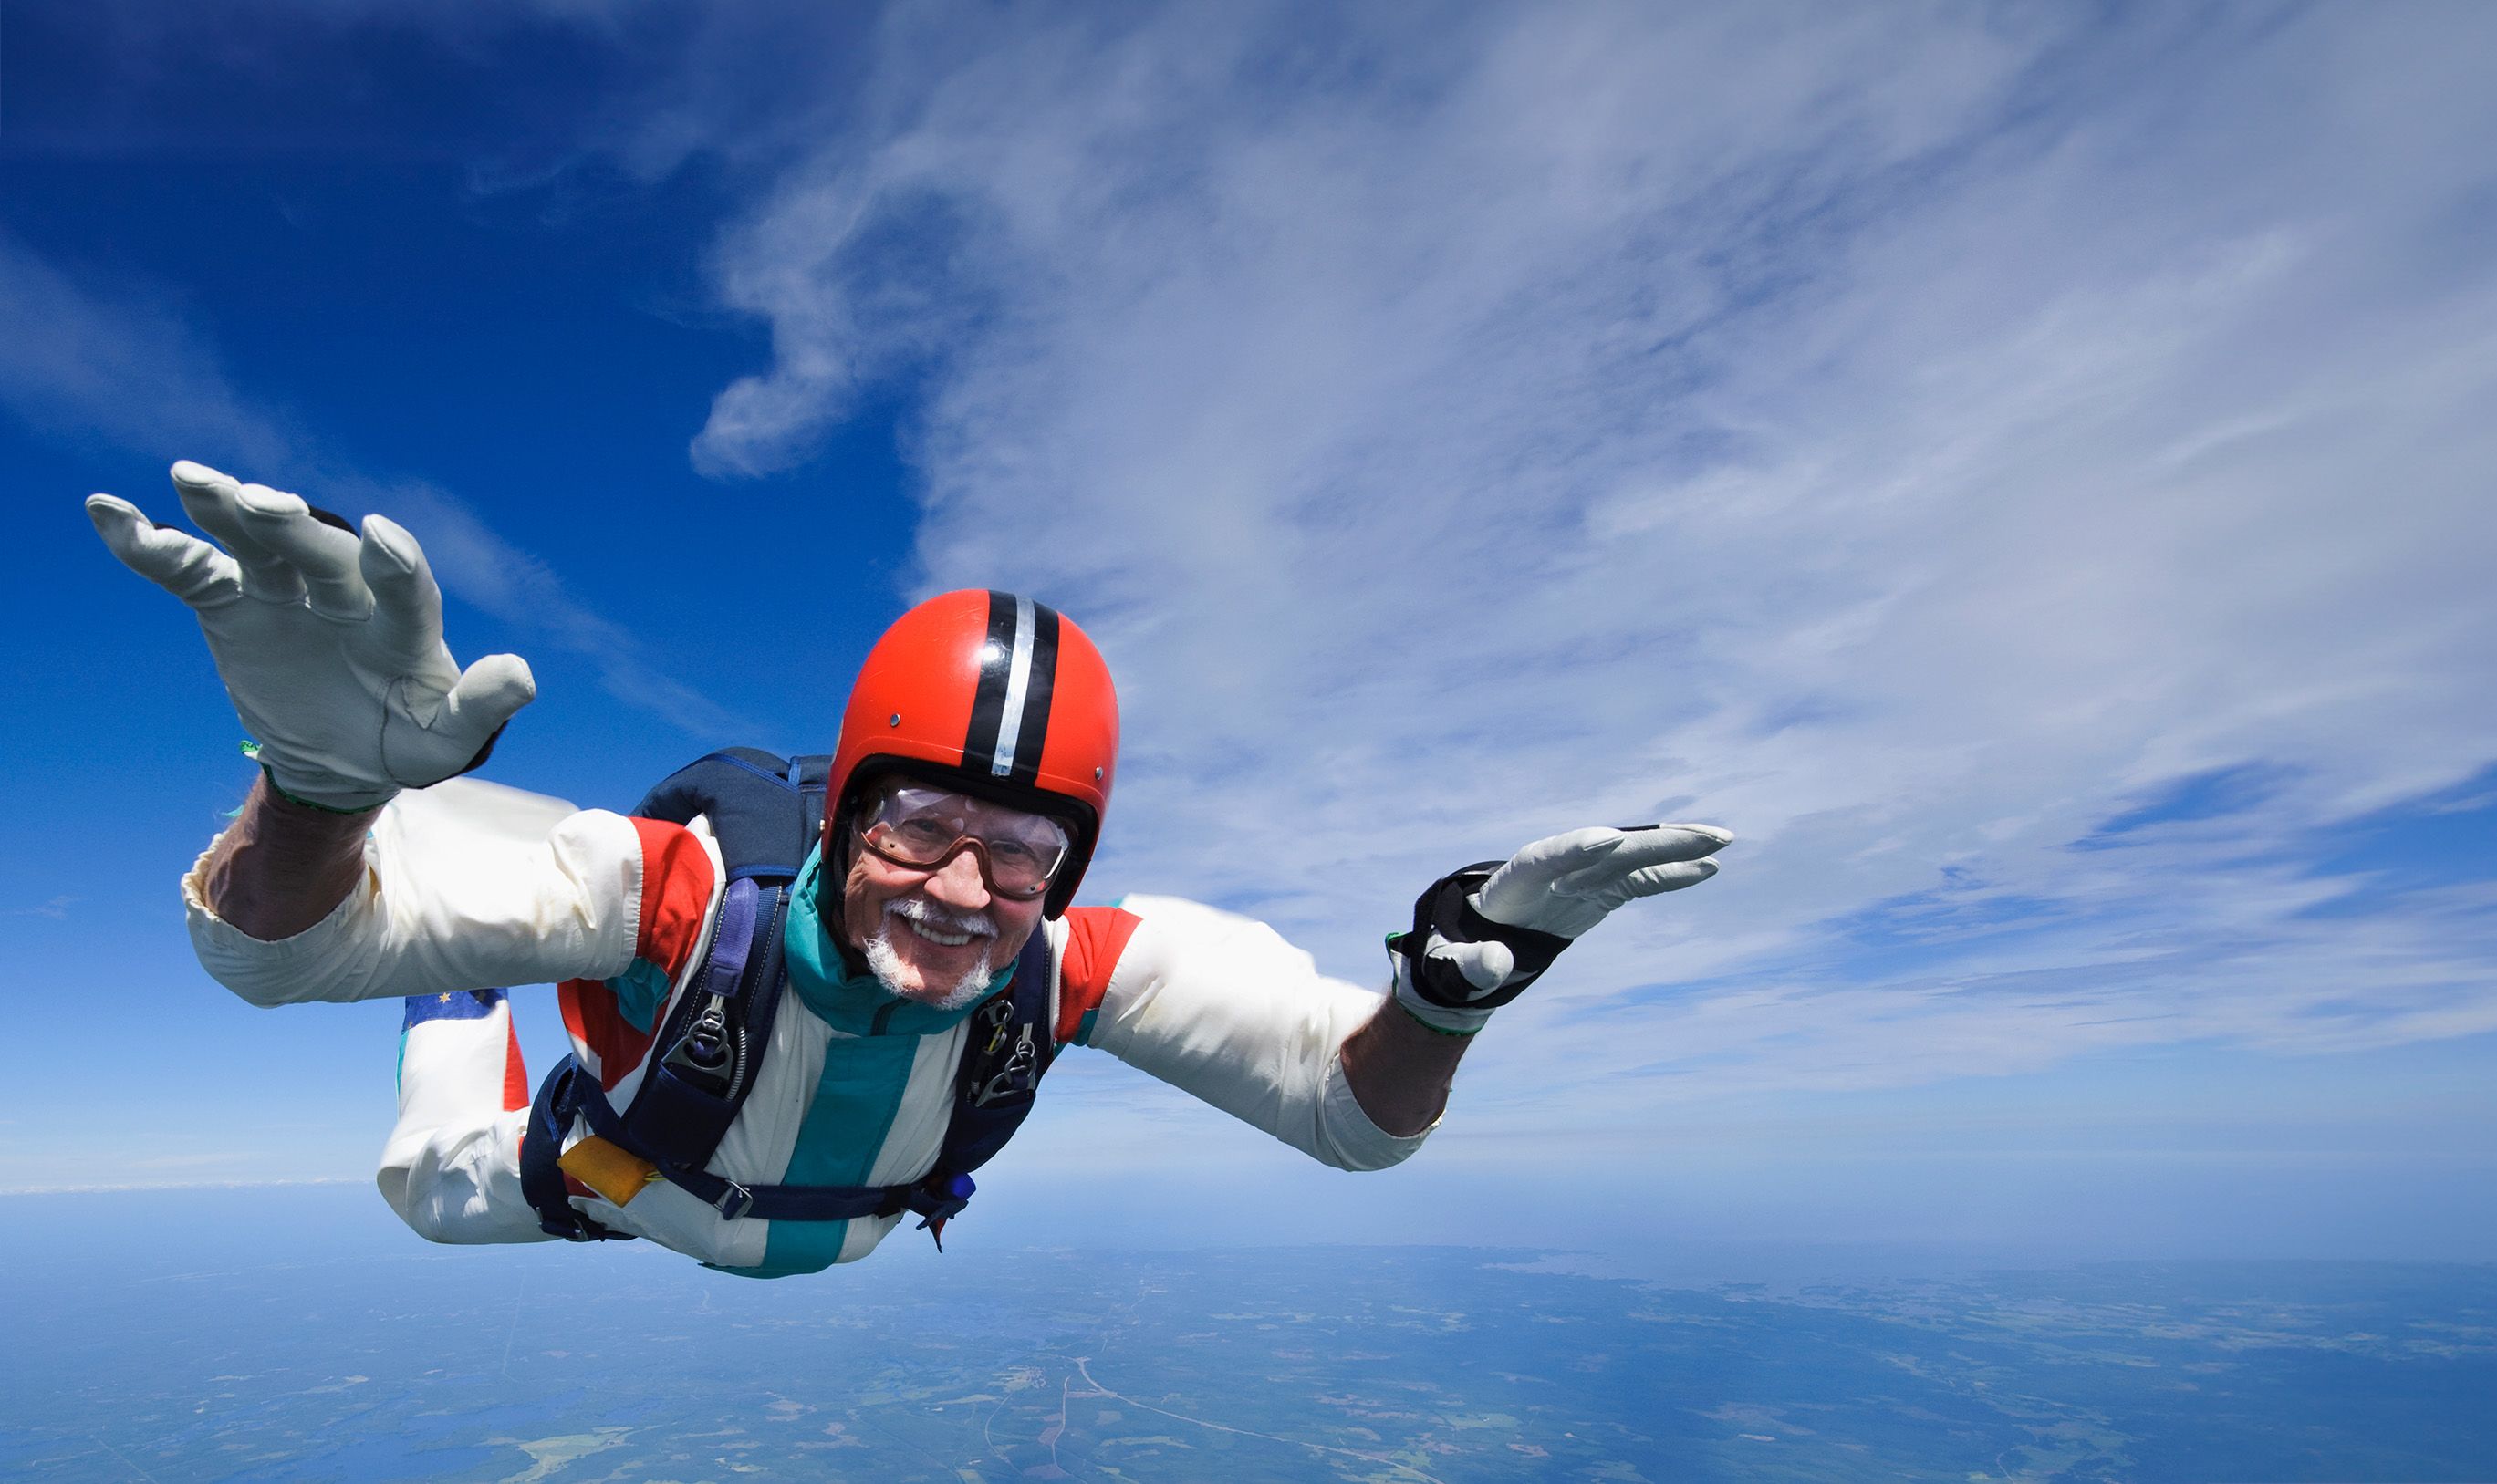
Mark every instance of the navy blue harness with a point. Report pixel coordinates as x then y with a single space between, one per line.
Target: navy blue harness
708 1048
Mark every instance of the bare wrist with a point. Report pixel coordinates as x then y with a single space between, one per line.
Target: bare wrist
283 865
1400 1070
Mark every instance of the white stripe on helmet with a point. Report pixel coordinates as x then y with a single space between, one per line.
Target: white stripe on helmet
1018 683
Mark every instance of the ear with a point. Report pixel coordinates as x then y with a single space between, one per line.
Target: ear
833 917
838 847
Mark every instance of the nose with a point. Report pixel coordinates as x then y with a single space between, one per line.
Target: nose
957 883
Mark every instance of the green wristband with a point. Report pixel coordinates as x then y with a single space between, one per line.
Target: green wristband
280 790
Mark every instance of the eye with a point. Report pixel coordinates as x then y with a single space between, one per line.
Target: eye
923 832
1013 853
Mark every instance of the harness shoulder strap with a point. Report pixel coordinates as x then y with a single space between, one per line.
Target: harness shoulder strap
1010 1047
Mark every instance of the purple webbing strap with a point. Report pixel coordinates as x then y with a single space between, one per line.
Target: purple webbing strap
731 941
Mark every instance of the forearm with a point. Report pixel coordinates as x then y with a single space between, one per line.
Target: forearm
281 868
462 885
1400 1070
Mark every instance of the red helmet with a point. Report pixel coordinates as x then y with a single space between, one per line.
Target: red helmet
991 694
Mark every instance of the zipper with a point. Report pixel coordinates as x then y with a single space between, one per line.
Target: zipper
741 1064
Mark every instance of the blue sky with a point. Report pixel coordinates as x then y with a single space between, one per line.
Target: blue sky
2026 471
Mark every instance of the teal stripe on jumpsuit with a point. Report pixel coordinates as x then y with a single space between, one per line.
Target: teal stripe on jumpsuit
862 1085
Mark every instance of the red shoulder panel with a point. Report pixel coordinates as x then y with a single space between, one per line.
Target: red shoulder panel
1096 938
676 902
614 1045
676 895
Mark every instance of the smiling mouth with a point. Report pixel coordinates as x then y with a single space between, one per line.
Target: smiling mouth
937 928
940 938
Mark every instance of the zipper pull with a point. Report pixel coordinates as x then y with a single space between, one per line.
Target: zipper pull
704 1050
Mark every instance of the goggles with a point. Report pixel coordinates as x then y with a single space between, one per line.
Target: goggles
923 828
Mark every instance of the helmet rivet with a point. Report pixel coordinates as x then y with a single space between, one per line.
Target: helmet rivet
1097 774
894 720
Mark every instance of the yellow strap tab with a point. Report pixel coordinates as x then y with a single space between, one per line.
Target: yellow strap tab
614 1172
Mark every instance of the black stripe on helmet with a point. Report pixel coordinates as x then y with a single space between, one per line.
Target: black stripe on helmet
989 701
1033 733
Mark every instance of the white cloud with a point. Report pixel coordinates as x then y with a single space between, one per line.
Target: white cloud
1907 439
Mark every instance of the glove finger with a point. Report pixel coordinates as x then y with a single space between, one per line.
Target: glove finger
431 734
177 562
1526 878
1672 876
1639 847
1558 854
323 554
489 695
1638 837
1485 966
407 602
210 498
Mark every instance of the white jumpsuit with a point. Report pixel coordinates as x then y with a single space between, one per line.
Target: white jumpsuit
472 886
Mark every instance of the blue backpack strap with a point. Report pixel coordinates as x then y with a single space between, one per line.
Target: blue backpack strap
705 1057
542 1183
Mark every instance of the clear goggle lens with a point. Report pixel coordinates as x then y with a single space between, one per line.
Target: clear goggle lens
923 828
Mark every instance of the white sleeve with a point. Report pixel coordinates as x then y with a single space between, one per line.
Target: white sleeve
1222 1008
467 885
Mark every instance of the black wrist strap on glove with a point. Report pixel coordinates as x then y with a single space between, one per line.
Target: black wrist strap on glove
1443 908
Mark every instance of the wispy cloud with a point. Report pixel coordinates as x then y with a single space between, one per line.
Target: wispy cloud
1911 439
520 588
122 362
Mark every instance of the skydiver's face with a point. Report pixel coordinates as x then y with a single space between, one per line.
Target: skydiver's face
935 935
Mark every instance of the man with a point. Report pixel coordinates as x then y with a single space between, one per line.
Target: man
960 810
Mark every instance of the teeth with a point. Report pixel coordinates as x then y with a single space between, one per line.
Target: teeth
948 939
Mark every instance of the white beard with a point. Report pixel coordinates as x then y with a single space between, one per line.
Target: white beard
885 961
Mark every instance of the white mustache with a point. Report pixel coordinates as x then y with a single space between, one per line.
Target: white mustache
928 914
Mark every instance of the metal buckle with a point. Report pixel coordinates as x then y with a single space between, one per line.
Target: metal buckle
1016 1077
1000 1015
734 1202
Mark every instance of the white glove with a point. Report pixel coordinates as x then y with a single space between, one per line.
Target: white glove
330 647
1489 931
